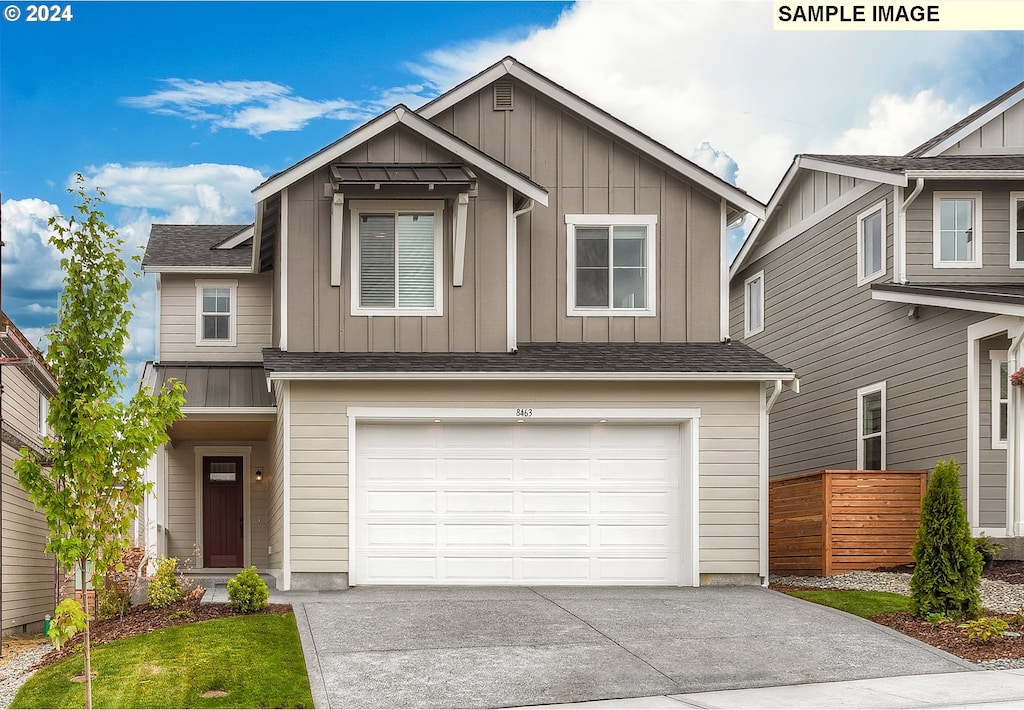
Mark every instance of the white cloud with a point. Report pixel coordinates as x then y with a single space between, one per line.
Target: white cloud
30 264
714 161
897 124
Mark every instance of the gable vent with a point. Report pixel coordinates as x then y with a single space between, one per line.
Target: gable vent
503 96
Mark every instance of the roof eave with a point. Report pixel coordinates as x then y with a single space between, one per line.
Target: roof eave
506 375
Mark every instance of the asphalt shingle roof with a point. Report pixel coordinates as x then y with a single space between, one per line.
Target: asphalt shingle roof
193 245
540 358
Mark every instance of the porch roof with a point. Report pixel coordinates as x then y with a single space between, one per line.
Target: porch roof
215 385
1006 299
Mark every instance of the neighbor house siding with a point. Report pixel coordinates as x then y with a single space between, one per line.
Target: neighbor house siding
28 573
728 454
837 339
178 319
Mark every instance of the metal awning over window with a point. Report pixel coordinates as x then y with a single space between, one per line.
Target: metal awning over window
428 174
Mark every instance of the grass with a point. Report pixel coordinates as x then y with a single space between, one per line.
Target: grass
256 660
865 604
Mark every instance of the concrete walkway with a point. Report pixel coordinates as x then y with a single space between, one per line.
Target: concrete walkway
472 647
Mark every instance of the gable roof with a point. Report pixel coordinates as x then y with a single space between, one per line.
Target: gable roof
198 247
509 66
969 124
14 345
402 115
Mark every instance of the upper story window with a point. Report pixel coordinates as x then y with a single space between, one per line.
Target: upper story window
1017 230
871 244
1000 398
216 310
956 219
753 305
871 427
611 263
397 257
41 414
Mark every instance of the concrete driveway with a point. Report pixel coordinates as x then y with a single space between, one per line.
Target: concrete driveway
430 647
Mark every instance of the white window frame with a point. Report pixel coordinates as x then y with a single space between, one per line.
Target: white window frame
998 358
436 207
42 412
861 394
650 223
747 329
1016 260
862 277
232 286
937 199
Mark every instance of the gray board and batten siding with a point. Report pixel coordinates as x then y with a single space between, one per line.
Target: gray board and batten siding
585 171
837 339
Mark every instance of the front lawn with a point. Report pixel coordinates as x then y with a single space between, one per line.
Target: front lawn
242 661
865 604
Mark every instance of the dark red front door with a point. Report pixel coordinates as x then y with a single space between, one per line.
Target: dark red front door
222 511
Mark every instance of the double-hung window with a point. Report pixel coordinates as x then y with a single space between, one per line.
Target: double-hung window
216 310
1017 230
1000 398
753 305
956 219
871 244
871 427
397 257
611 260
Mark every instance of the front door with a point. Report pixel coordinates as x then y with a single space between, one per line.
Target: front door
222 511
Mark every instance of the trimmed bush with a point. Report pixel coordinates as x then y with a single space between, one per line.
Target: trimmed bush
112 601
164 587
247 592
947 573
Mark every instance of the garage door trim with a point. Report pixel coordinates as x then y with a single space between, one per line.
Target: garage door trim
687 418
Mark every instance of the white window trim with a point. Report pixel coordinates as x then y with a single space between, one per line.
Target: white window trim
863 278
648 221
937 199
41 414
861 394
356 208
997 358
1016 260
232 286
747 330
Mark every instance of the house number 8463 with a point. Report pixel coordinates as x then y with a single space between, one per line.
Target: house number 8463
524 412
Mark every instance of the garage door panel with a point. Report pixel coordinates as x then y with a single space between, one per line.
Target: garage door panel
638 469
400 502
632 536
401 535
476 535
479 569
548 569
561 502
653 503
407 568
620 569
478 501
465 435
477 469
555 469
401 469
541 536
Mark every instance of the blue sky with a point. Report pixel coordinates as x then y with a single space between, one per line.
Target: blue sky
178 109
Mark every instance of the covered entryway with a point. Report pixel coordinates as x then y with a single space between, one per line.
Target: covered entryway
522 502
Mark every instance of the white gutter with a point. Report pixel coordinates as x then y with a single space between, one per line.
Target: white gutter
967 174
505 375
512 270
774 396
900 237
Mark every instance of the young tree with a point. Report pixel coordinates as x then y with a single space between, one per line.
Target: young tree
92 485
947 573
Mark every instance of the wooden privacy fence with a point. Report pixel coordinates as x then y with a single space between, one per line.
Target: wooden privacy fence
829 522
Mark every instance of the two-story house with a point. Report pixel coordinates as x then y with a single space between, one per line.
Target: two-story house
495 334
895 286
27 574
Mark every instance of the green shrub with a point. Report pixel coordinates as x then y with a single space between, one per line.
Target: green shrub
947 573
985 628
164 587
936 619
112 601
247 592
987 548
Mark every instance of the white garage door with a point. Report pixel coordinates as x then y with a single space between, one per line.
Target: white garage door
527 503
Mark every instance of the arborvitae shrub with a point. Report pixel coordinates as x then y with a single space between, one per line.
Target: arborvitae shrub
247 592
164 587
947 573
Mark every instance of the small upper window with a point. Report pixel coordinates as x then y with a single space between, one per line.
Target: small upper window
611 264
1017 230
753 305
871 427
1000 398
215 308
42 413
957 230
397 258
871 244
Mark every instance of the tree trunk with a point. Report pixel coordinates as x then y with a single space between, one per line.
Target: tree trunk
88 654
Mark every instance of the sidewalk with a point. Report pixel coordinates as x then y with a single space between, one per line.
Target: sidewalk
992 690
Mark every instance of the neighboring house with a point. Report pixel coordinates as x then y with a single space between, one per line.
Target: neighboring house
895 287
495 334
27 574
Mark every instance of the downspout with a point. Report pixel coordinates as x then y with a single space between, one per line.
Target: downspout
901 234
1013 442
512 273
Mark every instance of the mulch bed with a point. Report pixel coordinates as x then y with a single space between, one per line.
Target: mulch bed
144 618
1011 571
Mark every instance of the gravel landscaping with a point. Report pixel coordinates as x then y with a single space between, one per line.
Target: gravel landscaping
18 663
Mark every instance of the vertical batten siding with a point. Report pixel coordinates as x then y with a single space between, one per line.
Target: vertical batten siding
178 319
837 339
729 443
1003 132
992 461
